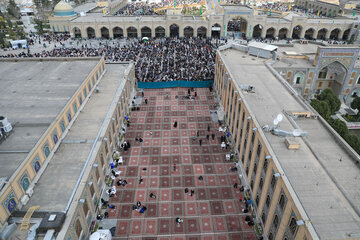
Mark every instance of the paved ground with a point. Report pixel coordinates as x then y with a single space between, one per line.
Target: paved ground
214 212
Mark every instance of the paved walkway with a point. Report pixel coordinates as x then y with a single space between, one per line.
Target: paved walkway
214 212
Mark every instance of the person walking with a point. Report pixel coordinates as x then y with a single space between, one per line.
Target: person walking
200 141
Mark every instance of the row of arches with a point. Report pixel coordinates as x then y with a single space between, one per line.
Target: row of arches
240 25
132 32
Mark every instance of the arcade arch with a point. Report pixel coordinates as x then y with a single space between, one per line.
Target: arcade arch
296 32
309 34
257 31
118 32
145 32
346 34
90 32
188 32
174 30
334 34
105 33
336 73
201 32
159 32
131 32
215 30
270 33
237 25
321 34
77 32
283 32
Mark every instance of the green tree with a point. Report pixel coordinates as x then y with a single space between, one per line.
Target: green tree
322 107
355 104
339 126
13 9
329 96
353 141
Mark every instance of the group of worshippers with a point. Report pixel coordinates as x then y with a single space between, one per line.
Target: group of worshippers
160 60
145 8
190 59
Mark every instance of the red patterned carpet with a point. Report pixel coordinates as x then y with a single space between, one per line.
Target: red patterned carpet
214 211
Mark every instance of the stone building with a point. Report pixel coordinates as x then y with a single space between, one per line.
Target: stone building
52 159
303 176
309 68
253 25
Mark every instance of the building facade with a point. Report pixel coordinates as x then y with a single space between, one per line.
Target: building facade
252 25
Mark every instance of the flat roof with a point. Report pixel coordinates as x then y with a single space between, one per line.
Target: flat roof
32 94
99 18
324 177
263 46
54 188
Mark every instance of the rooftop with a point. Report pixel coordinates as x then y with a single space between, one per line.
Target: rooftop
75 147
328 189
32 94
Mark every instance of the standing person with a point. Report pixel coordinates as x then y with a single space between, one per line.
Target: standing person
200 141
146 101
198 133
175 124
207 137
213 136
208 128
178 220
141 180
195 94
186 190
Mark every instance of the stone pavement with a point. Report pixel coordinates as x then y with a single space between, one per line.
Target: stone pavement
169 161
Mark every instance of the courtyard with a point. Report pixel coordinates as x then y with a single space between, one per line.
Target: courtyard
170 160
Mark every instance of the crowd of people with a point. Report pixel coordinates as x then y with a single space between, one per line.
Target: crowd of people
144 8
155 60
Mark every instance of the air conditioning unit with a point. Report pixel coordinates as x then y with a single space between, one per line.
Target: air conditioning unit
5 125
24 200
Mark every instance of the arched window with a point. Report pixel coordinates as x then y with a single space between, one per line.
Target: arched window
273 181
46 150
24 182
323 73
62 126
255 168
265 165
261 184
55 137
78 228
276 221
252 184
268 200
293 226
271 236
36 164
282 201
263 218
69 116
257 200
75 107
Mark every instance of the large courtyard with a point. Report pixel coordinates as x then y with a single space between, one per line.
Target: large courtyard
170 160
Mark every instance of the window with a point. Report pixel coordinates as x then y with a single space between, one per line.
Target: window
263 218
46 150
252 184
55 137
323 73
276 221
261 184
36 164
257 200
255 168
85 208
93 80
89 86
282 201
85 93
252 137
62 126
293 226
247 171
298 79
80 99
358 81
91 187
273 181
69 116
271 236
258 149
329 84
78 228
243 158
265 165
268 201
320 84
75 107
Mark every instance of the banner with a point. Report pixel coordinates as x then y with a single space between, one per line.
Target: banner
173 84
